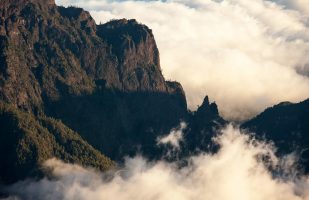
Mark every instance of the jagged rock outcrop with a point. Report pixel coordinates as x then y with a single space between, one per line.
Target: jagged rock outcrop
207 112
202 126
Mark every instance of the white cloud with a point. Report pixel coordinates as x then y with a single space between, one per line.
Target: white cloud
246 55
233 173
174 137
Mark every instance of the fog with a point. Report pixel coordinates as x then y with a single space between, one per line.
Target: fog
174 137
238 171
245 55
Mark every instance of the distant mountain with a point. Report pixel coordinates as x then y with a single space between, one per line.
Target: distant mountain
287 125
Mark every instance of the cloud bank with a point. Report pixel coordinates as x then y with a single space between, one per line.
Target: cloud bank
246 55
235 172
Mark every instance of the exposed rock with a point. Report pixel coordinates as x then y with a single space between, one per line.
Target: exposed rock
207 110
137 53
9 5
55 52
203 124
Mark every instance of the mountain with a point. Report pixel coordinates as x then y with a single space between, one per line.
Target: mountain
103 81
287 125
89 94
69 87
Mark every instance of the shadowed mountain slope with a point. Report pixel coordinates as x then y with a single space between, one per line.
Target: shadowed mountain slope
287 125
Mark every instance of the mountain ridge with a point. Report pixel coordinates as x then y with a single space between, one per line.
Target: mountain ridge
287 125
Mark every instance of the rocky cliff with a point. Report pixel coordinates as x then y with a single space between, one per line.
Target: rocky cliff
53 51
103 81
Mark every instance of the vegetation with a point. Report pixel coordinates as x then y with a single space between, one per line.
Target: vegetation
26 141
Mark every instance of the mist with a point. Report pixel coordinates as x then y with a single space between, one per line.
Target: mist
239 170
174 137
245 55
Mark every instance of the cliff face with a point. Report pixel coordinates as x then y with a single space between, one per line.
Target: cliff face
103 81
48 52
9 4
137 55
36 64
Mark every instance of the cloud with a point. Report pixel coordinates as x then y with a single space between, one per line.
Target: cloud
174 137
246 55
299 5
236 171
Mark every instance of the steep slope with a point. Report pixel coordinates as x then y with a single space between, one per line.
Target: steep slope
287 125
133 115
26 141
103 81
137 55
54 51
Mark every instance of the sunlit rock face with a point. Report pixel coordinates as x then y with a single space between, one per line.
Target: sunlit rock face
52 51
137 54
12 6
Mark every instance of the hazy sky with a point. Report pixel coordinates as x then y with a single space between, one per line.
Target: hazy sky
246 55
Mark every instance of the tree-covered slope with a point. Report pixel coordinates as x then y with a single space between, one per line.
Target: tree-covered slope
27 141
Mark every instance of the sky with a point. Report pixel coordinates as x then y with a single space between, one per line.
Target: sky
245 55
